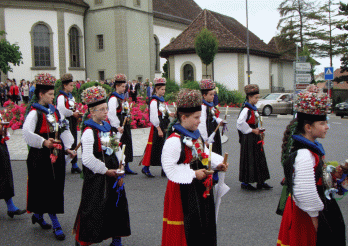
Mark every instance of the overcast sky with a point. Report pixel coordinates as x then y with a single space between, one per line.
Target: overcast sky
263 19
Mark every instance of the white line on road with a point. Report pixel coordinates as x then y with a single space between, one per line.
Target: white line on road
337 123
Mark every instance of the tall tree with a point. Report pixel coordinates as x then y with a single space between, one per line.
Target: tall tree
296 22
306 53
343 42
9 53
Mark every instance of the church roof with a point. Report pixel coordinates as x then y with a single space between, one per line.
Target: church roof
182 11
229 32
74 2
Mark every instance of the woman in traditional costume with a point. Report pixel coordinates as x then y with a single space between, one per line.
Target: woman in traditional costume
253 165
119 115
49 140
103 211
189 210
6 177
159 117
67 107
311 217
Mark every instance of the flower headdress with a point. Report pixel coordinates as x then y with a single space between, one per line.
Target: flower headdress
160 81
189 100
93 96
252 89
120 78
207 85
45 81
66 78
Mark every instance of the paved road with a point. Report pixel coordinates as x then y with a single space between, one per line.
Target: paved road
245 218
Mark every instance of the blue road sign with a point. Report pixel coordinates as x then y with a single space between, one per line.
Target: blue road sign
329 73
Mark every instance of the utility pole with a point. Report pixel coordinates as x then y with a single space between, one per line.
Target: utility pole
248 51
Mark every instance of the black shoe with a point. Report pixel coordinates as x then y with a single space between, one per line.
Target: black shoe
128 171
148 174
17 212
264 186
77 243
76 170
60 237
40 222
163 174
247 187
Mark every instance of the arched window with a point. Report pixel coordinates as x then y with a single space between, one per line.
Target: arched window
42 47
74 47
157 57
188 73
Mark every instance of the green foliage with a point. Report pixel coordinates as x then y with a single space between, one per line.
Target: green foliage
206 46
170 97
229 97
343 42
171 86
9 53
107 88
193 85
165 70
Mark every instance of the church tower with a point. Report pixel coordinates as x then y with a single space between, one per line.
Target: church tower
119 39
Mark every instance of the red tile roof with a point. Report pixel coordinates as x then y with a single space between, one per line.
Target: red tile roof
74 2
182 11
337 73
229 32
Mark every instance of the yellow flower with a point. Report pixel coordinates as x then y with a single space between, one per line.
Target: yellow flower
205 162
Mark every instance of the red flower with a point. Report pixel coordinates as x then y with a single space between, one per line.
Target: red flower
204 155
53 158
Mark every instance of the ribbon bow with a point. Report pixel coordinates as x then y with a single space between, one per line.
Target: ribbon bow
208 183
119 188
4 139
262 143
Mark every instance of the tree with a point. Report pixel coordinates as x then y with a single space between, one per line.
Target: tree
343 42
309 59
165 73
206 46
296 22
9 53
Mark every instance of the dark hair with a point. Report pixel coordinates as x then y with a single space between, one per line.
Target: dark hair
43 91
154 89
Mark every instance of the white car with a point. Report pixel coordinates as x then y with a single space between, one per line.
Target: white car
275 103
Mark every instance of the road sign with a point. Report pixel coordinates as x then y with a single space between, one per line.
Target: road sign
303 78
329 73
301 86
303 67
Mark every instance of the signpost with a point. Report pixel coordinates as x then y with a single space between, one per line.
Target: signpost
303 78
303 67
328 76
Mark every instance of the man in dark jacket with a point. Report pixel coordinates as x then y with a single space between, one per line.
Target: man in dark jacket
133 90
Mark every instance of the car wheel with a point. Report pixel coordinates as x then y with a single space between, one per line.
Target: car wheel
267 111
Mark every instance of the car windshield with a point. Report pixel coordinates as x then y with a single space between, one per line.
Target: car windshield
272 96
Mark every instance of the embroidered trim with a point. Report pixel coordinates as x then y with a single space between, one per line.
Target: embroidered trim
169 222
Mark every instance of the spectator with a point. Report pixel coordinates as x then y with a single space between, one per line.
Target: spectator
25 89
14 92
149 91
2 93
133 90
216 98
31 90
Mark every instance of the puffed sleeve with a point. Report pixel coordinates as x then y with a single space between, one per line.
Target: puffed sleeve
67 138
112 114
31 138
202 127
305 191
177 173
242 124
61 107
154 114
88 159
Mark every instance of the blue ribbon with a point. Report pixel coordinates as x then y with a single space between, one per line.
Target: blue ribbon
103 128
120 96
194 135
318 147
209 104
119 188
50 110
70 96
253 107
161 99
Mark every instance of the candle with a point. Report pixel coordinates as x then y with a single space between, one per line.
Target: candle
210 149
174 105
226 110
57 127
123 149
261 120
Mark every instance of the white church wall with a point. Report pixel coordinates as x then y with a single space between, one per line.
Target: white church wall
181 60
288 76
260 67
226 70
18 24
274 74
69 21
164 35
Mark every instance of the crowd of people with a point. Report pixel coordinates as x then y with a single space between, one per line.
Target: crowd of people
186 143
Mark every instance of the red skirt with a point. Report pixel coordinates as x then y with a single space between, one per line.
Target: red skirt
147 156
296 228
173 233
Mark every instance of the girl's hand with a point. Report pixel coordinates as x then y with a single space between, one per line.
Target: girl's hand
120 182
200 174
49 143
76 114
315 223
171 115
72 153
120 129
222 167
111 173
160 133
256 131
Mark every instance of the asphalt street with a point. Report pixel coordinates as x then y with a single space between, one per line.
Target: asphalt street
245 218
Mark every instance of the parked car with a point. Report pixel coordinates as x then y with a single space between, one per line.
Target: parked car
341 109
276 103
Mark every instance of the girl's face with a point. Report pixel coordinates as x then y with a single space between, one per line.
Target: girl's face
47 98
254 99
161 90
192 121
69 87
100 112
120 88
318 129
209 97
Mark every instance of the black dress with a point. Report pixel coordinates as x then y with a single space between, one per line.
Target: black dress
98 218
158 142
6 178
253 165
45 180
211 126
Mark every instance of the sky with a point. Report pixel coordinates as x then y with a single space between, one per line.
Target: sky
263 19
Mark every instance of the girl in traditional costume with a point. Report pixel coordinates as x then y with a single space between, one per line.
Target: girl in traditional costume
310 217
103 211
253 165
49 140
189 210
67 107
6 177
119 115
159 117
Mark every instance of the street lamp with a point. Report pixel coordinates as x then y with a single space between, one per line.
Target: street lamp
248 52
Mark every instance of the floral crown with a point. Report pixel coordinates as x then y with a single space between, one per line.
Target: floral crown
160 81
189 100
92 96
120 78
207 84
45 80
252 89
66 78
313 101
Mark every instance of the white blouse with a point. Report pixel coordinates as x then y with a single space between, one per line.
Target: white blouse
112 114
61 107
181 173
202 127
305 191
154 113
36 141
242 124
